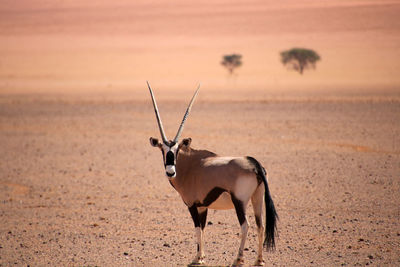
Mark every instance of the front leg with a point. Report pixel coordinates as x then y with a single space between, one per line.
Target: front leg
203 219
197 220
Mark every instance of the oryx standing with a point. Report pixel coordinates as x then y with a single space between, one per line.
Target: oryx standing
205 180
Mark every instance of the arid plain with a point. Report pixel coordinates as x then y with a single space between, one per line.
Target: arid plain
80 184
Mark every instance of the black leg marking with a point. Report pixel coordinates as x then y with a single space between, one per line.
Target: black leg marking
203 219
240 211
195 215
258 221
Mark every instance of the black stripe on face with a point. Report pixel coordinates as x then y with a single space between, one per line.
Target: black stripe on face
212 196
163 155
170 158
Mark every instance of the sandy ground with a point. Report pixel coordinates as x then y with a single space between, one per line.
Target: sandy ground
80 184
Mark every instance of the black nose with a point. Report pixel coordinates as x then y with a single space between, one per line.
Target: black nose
170 174
170 159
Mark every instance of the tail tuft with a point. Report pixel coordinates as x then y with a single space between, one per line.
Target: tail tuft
271 216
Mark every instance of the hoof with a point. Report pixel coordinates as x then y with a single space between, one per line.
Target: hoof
259 262
197 262
238 262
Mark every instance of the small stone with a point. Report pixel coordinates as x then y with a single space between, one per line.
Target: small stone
167 245
126 253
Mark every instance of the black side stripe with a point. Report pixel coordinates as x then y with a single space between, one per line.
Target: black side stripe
211 196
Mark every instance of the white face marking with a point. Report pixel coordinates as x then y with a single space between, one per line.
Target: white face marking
167 148
170 170
218 161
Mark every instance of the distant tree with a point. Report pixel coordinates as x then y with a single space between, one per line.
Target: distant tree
299 59
231 62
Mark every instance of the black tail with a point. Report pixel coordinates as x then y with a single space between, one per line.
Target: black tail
271 215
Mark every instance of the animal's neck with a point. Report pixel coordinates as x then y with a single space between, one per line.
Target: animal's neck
187 164
184 163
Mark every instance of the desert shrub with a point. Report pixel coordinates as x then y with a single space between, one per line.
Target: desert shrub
299 59
231 62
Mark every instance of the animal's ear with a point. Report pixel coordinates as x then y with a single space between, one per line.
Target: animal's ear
154 142
186 142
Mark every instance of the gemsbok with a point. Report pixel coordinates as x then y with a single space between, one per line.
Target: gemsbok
207 181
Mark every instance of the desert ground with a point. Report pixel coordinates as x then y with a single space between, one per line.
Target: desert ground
80 184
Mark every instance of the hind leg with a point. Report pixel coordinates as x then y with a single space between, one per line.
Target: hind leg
240 208
257 200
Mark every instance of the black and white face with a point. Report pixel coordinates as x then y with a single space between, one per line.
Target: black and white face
170 152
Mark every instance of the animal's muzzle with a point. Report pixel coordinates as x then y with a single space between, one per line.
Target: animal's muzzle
170 164
170 170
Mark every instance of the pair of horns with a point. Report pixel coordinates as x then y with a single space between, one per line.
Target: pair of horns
160 126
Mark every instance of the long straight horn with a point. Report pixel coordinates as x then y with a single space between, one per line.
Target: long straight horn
164 138
178 134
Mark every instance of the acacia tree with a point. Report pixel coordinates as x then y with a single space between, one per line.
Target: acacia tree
231 62
299 59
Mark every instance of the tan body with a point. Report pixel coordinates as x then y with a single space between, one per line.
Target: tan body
199 171
207 181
